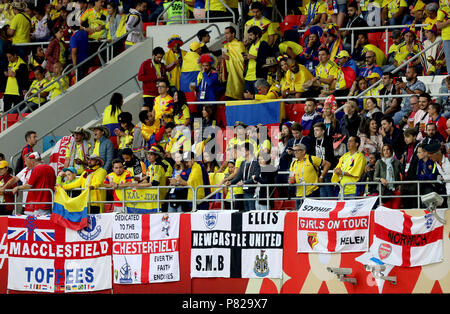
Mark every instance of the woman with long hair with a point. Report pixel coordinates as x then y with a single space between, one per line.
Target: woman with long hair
181 113
111 116
56 50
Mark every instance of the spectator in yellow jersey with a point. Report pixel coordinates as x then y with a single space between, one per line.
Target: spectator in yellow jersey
350 167
58 83
232 69
92 178
316 12
20 28
118 178
443 24
265 91
164 100
16 80
125 132
174 60
38 83
306 168
96 18
255 58
393 12
268 31
296 76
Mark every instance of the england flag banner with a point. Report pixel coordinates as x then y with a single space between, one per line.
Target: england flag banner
403 240
145 248
231 244
46 257
334 226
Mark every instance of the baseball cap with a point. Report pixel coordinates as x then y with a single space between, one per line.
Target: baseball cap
195 45
4 164
71 169
342 54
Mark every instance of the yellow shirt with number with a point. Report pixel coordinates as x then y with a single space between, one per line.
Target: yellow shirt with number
305 172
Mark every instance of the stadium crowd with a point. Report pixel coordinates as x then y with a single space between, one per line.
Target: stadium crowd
399 133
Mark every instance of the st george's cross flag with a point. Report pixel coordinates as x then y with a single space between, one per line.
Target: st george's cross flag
46 257
329 226
145 248
403 240
231 244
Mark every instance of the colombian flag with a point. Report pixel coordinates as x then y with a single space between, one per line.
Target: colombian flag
253 112
70 212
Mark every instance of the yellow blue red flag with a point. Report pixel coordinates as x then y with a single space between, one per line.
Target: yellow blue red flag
70 212
253 112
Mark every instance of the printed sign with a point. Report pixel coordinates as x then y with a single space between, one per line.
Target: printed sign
43 256
145 248
237 245
334 226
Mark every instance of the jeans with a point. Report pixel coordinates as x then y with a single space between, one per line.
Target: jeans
447 54
327 190
249 201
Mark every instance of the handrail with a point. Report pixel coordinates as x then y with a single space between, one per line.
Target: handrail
183 19
404 64
232 199
61 77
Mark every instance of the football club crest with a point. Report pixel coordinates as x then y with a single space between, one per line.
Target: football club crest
261 266
165 224
312 239
384 250
91 231
210 220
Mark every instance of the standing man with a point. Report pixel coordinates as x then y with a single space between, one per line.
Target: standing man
17 82
393 136
249 168
443 24
442 163
79 49
134 24
258 51
207 85
149 72
19 29
78 150
350 167
31 140
42 177
163 102
266 26
103 147
306 169
232 56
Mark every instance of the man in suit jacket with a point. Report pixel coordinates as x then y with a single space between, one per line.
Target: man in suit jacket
249 168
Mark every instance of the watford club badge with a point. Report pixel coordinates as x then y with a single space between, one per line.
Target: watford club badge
312 239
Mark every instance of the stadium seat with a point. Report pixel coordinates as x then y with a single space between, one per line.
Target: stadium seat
374 39
291 22
294 112
191 97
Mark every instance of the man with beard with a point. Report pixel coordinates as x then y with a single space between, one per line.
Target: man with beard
92 178
258 51
411 86
149 72
134 165
296 76
353 20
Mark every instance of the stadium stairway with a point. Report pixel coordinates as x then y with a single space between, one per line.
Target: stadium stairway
81 104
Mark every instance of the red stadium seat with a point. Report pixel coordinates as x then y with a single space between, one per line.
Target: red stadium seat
294 112
374 37
190 97
291 22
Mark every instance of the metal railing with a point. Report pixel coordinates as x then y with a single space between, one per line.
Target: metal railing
231 197
104 47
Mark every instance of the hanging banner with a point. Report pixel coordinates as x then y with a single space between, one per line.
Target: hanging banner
403 240
145 248
46 257
232 244
334 226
